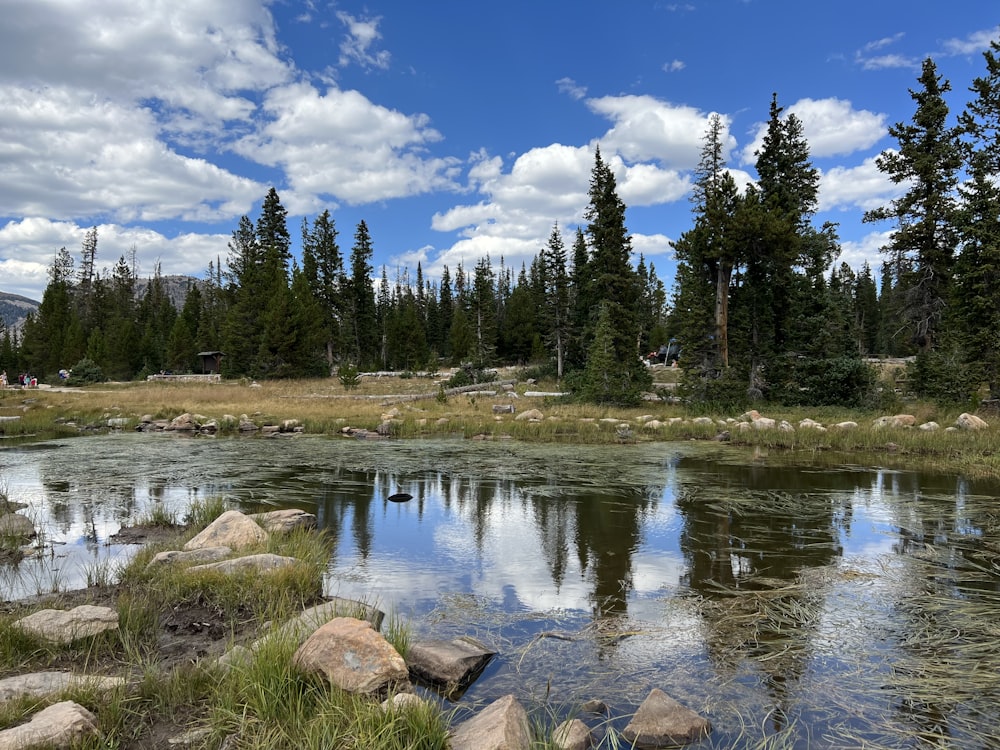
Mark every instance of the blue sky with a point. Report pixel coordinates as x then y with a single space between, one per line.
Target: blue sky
453 128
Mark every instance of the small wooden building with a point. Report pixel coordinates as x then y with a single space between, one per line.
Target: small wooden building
211 362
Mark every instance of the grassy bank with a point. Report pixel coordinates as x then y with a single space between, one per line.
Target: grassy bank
173 626
324 407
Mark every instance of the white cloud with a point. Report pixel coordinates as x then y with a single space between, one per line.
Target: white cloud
862 187
673 66
341 144
977 42
196 58
27 240
68 154
832 127
571 87
651 245
880 62
646 128
884 42
868 249
357 48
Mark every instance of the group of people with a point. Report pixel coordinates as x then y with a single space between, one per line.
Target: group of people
24 380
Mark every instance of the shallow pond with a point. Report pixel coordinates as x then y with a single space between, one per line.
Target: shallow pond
835 605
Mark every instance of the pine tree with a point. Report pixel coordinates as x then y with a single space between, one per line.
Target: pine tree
976 297
363 343
788 187
612 280
556 288
241 330
922 244
323 268
44 336
483 312
710 252
446 304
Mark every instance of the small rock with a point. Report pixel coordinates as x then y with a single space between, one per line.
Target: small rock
41 684
282 521
929 427
844 425
594 706
529 414
452 665
14 525
402 701
572 735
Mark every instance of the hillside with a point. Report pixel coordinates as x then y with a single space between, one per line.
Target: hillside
14 309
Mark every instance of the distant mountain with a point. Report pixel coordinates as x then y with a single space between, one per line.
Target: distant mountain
14 309
176 287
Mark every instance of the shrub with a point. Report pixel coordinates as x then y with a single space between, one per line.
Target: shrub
348 376
943 377
717 391
85 372
840 381
469 375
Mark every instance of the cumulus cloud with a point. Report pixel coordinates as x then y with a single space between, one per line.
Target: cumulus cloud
67 154
30 245
862 187
646 128
650 147
831 126
198 59
866 250
339 143
673 66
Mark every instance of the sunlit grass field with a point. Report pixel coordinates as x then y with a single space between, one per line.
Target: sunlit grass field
421 406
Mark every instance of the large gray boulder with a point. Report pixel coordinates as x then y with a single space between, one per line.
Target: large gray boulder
450 665
280 521
66 626
502 725
177 557
263 563
232 529
41 684
59 725
663 722
353 657
968 421
14 525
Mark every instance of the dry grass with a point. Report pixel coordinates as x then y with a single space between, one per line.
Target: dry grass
323 406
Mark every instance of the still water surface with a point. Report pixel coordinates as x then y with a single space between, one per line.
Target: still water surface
836 605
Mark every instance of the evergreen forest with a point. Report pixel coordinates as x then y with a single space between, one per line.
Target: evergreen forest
759 308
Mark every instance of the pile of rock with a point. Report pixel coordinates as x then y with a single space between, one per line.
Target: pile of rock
200 424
